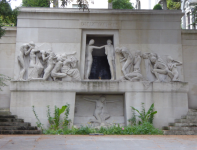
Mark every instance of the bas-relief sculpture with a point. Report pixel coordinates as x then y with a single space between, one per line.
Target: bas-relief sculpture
154 65
99 110
109 51
45 64
101 114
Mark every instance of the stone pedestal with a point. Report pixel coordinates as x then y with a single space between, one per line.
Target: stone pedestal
170 99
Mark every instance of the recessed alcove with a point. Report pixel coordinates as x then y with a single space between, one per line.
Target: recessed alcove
100 67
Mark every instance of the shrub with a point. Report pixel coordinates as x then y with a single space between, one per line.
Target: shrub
157 7
143 115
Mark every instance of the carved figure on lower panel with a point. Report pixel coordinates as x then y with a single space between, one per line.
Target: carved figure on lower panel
100 113
24 51
172 65
69 68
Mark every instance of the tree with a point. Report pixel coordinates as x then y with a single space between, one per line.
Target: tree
173 4
8 16
121 4
36 3
157 7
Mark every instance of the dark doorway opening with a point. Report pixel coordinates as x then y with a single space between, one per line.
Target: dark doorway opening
100 66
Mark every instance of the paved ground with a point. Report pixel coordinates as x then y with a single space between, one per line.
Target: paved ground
72 142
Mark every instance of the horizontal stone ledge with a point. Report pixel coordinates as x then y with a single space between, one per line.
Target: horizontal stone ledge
99 11
97 86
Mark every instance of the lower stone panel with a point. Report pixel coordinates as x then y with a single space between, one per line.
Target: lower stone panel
170 99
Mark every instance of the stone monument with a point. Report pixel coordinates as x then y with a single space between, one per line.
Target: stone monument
68 45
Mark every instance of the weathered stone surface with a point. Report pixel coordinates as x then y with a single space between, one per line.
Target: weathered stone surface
187 125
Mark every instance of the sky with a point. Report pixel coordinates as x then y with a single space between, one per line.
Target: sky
15 3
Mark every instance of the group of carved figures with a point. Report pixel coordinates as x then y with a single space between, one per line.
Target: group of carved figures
154 65
44 64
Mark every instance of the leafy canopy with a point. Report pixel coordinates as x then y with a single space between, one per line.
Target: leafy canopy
36 3
174 4
157 7
8 17
121 4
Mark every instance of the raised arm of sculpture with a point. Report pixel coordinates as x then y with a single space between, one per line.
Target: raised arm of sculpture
90 100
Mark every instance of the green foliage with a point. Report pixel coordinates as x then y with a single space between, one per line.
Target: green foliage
3 80
133 120
194 17
121 4
146 116
36 3
2 31
8 17
38 123
144 129
173 4
157 7
55 122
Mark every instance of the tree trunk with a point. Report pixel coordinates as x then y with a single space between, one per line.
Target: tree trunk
164 5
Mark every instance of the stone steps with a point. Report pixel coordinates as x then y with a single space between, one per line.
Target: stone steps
18 128
179 132
11 120
14 124
20 132
187 125
10 124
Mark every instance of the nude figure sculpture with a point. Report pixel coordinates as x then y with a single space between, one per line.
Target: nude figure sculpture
127 58
55 73
69 68
32 64
136 74
109 51
172 65
90 48
159 67
100 112
24 51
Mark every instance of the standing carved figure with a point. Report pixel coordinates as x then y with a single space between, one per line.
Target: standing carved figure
172 65
24 51
90 48
109 51
51 61
32 64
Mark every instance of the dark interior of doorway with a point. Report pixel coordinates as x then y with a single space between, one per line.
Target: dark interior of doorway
100 67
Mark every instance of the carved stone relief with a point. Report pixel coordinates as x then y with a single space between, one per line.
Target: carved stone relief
45 64
109 51
157 70
99 110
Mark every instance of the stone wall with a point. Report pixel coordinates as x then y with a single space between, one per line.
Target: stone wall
7 55
189 46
